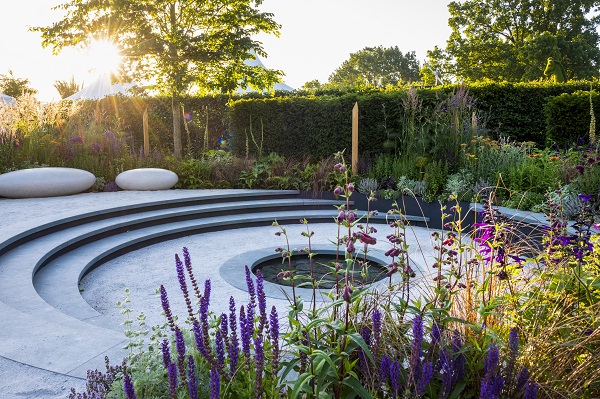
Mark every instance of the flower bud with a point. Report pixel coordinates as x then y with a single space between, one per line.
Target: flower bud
347 295
341 216
350 246
337 191
351 187
351 217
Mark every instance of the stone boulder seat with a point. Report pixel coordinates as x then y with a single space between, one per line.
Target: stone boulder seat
146 179
45 182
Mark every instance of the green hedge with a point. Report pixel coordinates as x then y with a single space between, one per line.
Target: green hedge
568 117
517 109
319 124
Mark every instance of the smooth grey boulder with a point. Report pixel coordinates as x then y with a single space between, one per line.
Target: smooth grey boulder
146 179
45 182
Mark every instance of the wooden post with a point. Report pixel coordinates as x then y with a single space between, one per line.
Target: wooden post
146 135
355 138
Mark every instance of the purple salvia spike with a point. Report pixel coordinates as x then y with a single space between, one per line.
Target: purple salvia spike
245 334
376 320
183 285
274 335
234 348
220 350
206 296
128 386
180 345
252 304
224 330
166 353
395 378
384 371
425 379
262 302
530 390
166 308
415 367
522 379
188 265
172 372
215 384
259 361
192 381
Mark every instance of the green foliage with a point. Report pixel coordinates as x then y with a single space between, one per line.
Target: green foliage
174 44
377 66
568 117
511 40
436 173
14 86
67 88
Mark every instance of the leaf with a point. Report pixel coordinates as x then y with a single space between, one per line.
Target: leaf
299 384
357 388
457 390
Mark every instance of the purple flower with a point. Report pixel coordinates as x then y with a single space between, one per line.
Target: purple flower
384 370
192 381
128 386
351 216
415 366
224 329
262 301
376 320
180 345
337 191
350 245
183 285
492 359
395 378
188 265
166 308
215 384
522 379
274 335
530 391
347 294
172 373
584 197
219 349
259 362
393 252
341 217
245 332
234 347
366 239
351 187
425 378
166 354
252 303
492 382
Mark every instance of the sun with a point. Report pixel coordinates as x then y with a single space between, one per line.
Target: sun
104 57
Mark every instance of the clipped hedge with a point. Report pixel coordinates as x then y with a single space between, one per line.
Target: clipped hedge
320 124
568 117
517 109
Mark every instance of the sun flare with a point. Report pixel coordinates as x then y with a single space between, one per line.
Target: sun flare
104 57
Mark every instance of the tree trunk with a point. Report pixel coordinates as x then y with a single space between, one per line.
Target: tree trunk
177 146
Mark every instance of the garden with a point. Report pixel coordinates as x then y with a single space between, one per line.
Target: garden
503 312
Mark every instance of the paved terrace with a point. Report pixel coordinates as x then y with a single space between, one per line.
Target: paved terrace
62 321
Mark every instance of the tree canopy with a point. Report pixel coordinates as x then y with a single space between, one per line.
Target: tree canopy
512 39
377 66
176 44
14 86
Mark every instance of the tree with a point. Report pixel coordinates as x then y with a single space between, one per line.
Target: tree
15 87
177 44
512 39
377 66
66 89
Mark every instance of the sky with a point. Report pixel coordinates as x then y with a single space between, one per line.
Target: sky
317 36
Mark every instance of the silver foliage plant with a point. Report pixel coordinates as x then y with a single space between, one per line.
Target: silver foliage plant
411 187
367 185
